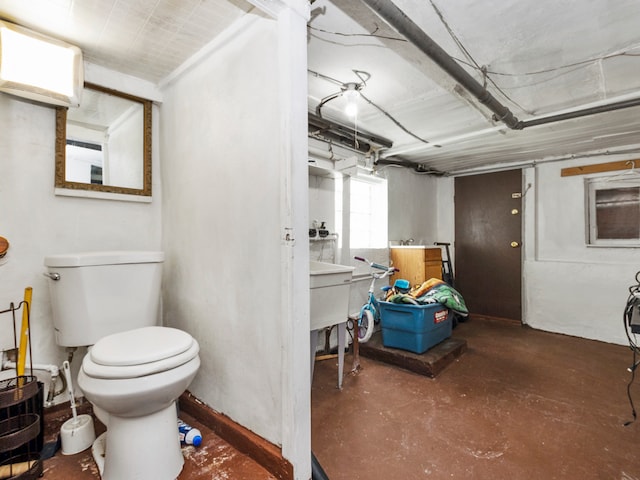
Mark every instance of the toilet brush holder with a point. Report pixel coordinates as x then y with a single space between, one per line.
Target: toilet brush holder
77 434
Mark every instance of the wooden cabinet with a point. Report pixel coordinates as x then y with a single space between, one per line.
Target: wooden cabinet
417 264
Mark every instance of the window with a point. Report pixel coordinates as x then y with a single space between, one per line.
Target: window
368 214
614 212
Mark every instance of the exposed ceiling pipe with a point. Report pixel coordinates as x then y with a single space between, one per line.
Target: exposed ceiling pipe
361 141
406 27
634 102
417 167
333 131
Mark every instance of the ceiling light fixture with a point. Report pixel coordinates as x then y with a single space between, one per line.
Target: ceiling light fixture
38 67
351 92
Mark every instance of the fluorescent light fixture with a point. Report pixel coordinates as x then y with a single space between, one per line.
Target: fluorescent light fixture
38 67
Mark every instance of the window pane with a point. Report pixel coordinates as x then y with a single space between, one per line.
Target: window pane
368 214
618 213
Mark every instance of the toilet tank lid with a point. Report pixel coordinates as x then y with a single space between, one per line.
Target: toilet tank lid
103 258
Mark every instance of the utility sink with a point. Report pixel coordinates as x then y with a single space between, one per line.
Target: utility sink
330 288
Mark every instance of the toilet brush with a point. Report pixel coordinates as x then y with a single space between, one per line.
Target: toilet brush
77 433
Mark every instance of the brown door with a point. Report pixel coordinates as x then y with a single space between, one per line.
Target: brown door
488 226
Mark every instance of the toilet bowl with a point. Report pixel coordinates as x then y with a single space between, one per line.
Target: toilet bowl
135 377
134 370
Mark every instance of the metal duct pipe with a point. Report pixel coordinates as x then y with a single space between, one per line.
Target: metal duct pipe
405 26
417 167
581 113
359 141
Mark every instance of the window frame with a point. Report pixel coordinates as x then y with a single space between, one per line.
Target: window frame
592 185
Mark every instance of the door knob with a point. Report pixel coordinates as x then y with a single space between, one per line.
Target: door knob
515 244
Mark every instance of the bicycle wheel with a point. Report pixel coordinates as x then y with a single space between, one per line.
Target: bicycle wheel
365 326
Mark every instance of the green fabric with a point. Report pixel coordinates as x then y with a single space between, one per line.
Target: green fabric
402 298
448 296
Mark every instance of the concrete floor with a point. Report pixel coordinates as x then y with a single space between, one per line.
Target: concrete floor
519 404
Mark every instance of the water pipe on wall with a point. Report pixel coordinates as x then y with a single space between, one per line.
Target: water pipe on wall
53 370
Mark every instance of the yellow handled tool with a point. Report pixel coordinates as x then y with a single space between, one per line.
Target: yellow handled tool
24 331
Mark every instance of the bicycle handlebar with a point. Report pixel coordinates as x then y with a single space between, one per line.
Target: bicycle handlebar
377 265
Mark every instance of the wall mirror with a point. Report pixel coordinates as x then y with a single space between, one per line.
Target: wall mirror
104 145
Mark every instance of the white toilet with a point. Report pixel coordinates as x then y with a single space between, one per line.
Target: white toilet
135 369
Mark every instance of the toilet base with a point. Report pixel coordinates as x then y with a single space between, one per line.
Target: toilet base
143 448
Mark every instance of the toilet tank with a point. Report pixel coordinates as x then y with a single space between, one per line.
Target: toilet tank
94 294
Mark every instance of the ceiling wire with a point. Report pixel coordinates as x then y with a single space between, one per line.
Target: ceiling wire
555 69
326 77
347 45
484 69
533 83
390 117
372 34
481 69
360 74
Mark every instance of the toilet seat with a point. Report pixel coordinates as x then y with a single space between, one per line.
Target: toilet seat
140 352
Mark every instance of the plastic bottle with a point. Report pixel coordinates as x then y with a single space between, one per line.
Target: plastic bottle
189 435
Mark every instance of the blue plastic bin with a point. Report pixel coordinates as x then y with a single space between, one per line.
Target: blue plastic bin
415 328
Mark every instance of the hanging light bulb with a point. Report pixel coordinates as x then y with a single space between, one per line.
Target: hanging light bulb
351 94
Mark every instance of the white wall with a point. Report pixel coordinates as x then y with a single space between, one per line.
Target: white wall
413 206
37 223
322 208
234 171
568 287
571 288
221 212
413 213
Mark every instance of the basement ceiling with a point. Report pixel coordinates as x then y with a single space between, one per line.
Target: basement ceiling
536 59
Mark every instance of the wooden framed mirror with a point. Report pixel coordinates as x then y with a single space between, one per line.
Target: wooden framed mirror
105 144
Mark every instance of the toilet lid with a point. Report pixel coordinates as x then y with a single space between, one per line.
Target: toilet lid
140 352
140 346
95 370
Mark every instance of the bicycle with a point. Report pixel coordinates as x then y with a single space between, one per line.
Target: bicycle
370 313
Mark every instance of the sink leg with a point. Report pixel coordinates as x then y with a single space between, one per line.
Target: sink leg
313 346
342 337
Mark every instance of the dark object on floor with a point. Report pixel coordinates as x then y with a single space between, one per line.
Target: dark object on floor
430 363
50 448
317 473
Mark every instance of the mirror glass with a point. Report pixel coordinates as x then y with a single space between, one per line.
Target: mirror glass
104 145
